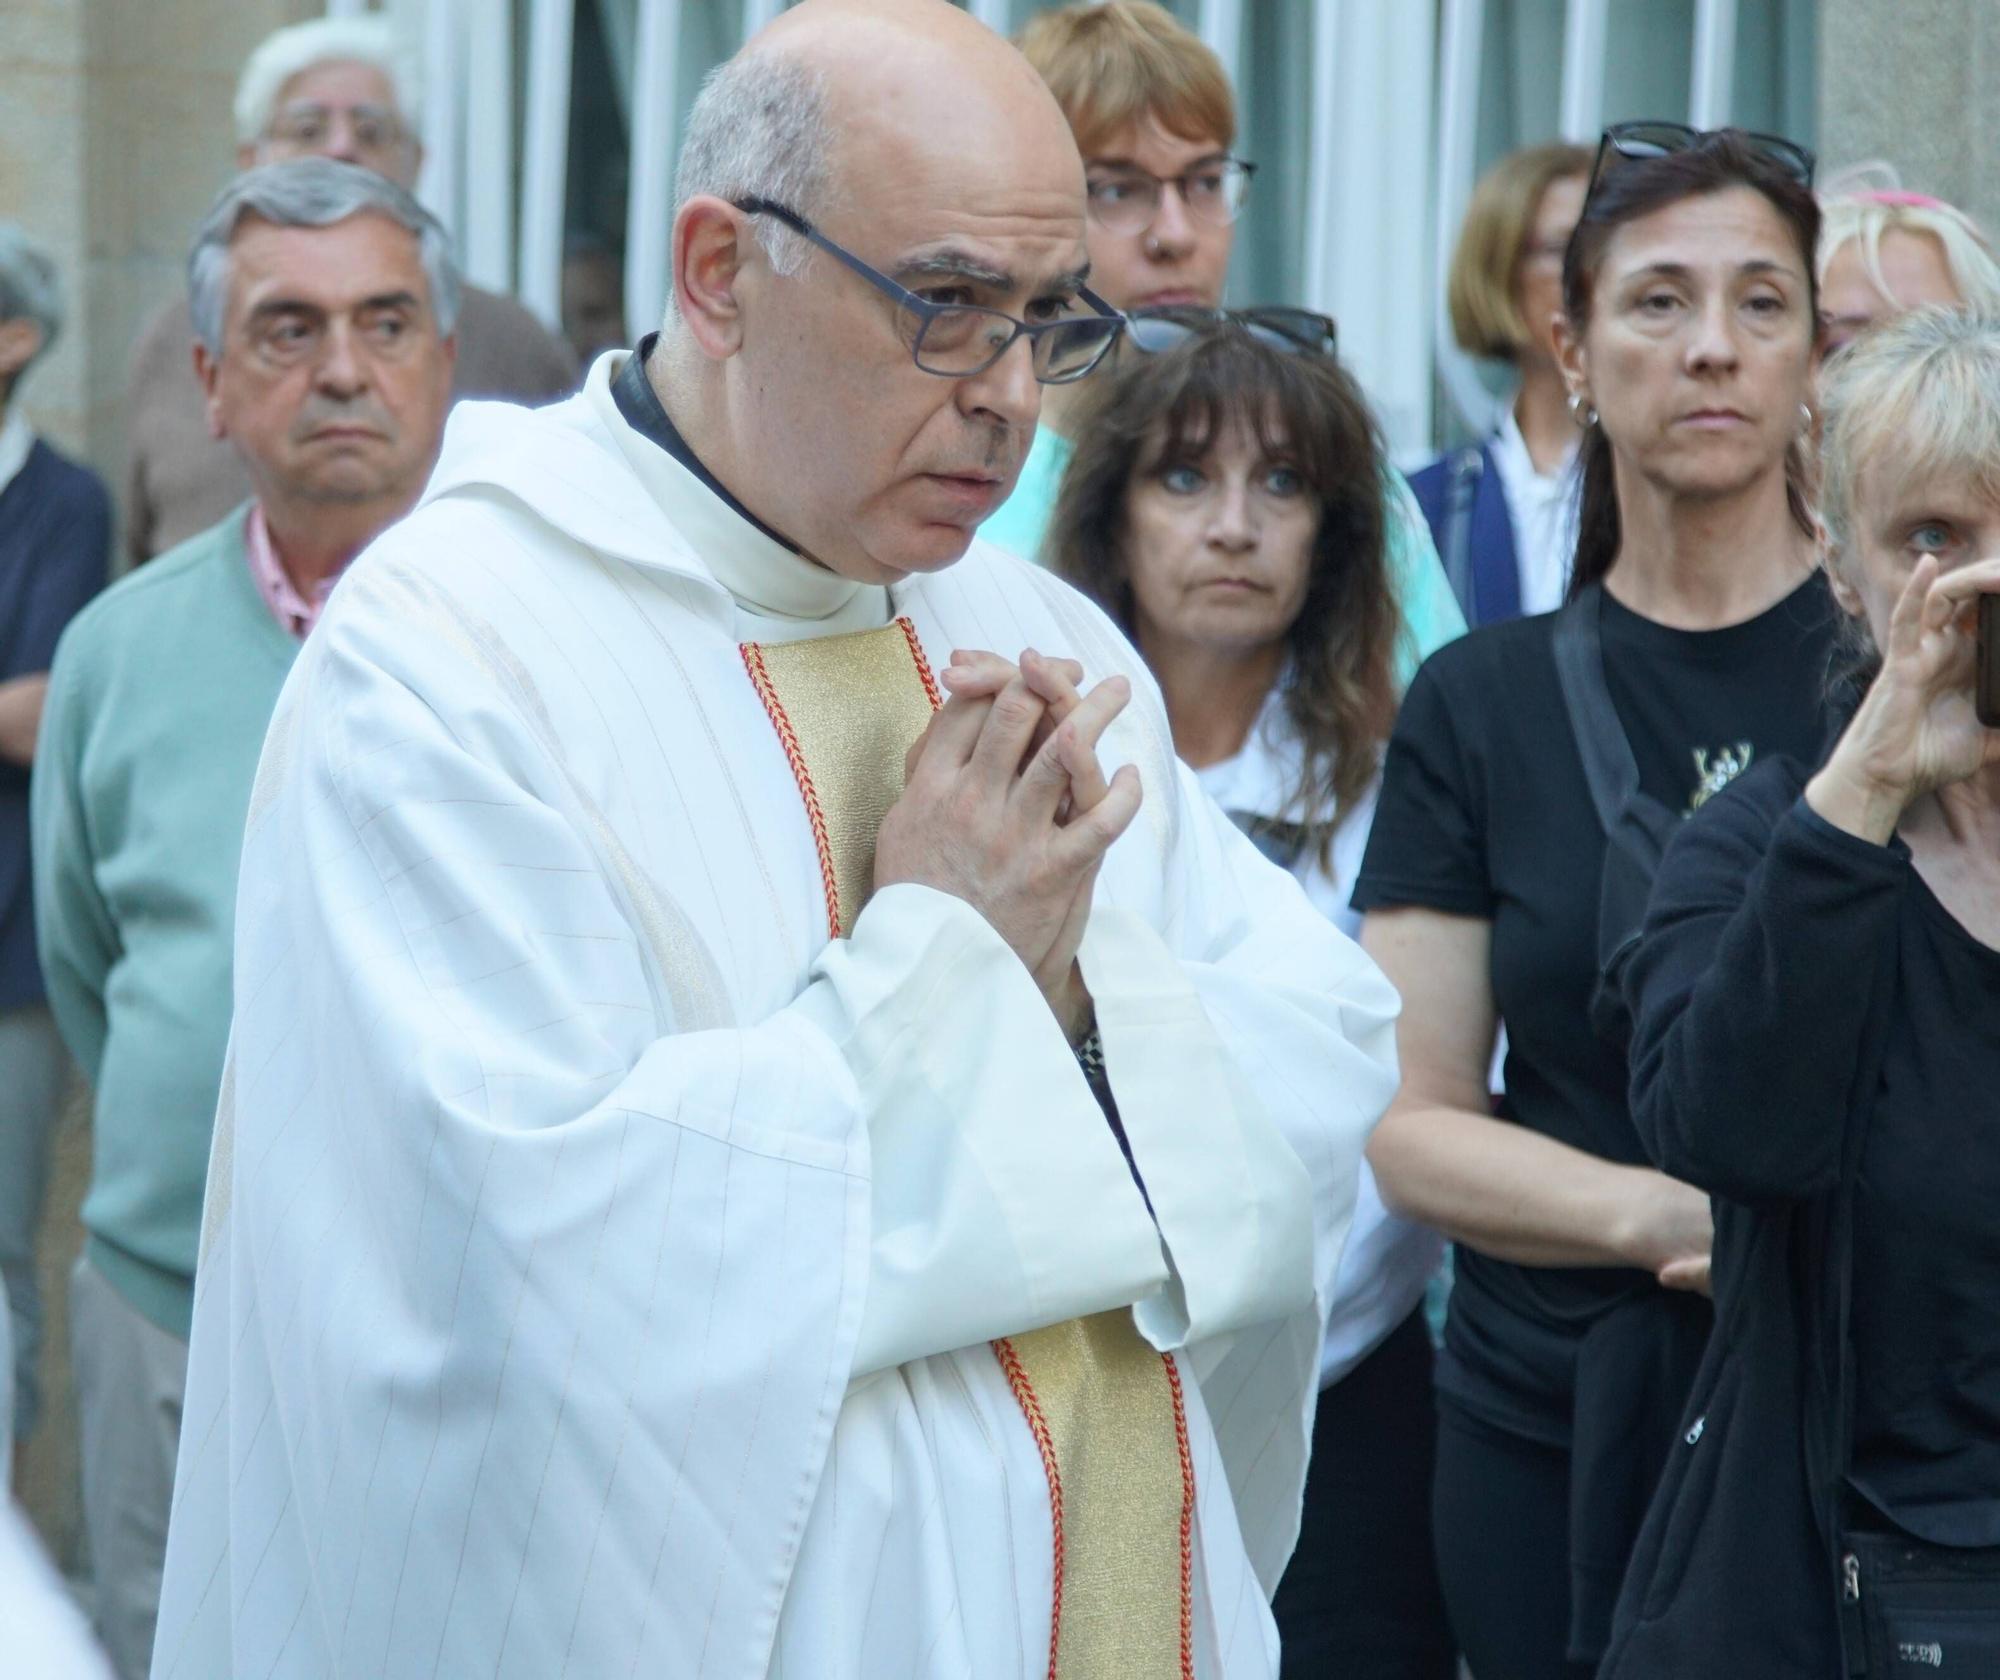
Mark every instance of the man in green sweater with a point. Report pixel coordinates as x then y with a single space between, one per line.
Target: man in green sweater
323 300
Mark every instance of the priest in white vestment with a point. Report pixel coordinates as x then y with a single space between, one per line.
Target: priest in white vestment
685 1202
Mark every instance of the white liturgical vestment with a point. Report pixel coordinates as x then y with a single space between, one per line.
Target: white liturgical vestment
602 1266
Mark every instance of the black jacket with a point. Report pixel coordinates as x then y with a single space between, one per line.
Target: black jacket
1760 994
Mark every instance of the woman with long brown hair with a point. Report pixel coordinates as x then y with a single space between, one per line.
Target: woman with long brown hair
1532 765
1226 505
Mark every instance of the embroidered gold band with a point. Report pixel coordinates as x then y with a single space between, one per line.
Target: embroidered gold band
1105 1409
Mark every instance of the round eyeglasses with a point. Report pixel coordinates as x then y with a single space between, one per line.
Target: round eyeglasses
1124 199
958 340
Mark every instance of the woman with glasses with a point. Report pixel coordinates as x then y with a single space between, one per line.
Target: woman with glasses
1697 640
1817 1043
1226 505
1155 119
1500 511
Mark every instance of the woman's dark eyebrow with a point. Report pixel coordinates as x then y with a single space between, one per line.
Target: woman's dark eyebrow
1685 271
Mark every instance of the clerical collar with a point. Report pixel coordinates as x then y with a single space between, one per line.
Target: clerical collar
633 392
780 594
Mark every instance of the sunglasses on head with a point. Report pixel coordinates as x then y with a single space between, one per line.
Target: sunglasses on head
1637 141
1295 331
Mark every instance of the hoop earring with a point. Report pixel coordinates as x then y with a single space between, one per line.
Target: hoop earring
1583 415
1805 419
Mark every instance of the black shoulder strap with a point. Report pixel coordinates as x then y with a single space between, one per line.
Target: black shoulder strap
1462 477
1608 763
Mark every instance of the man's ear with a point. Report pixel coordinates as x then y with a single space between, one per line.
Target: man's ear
246 155
208 371
710 247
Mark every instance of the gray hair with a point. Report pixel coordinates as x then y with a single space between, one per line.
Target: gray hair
1918 397
311 193
759 128
28 288
342 40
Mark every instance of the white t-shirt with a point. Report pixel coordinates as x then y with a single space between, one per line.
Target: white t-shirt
1388 1262
1542 508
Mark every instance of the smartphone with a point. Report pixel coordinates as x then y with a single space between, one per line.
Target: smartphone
1986 691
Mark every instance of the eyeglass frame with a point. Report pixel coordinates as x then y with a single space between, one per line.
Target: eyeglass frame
1243 166
1798 161
927 311
1197 319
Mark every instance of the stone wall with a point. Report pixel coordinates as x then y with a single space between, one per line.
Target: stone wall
116 134
1915 82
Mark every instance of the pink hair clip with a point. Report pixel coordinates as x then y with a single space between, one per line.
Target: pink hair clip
1899 197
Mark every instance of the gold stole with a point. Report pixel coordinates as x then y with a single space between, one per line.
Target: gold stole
1105 1410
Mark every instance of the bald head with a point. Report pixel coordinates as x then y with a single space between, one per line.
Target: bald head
925 148
925 78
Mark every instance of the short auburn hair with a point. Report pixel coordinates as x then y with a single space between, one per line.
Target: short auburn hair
1116 63
1485 314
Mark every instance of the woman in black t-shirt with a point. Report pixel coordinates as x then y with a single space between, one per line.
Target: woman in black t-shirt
1817 1042
1577 1318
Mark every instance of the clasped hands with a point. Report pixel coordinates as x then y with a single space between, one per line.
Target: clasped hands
1005 806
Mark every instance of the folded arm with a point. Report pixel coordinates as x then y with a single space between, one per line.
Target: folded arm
1752 989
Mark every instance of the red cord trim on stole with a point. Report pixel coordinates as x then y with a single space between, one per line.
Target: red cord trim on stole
1038 1426
1187 1518
753 661
923 665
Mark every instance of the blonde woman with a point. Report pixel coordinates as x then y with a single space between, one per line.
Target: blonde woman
1817 1045
1883 249
1501 511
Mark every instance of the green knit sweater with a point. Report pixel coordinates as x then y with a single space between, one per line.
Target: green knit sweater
158 699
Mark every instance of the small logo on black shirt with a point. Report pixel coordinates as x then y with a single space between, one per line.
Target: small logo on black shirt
1715 771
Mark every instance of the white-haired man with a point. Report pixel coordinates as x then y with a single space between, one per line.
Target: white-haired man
55 542
736 1163
340 88
323 299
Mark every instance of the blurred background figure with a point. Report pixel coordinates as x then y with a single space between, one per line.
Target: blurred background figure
47 1636
323 299
337 88
1883 250
1227 504
593 297
1154 116
1576 1319
55 543
1502 512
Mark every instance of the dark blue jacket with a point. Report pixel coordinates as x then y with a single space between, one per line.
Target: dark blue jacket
1760 994
1484 572
55 542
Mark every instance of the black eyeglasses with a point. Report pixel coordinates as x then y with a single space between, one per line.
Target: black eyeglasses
1126 199
957 340
1291 330
1640 140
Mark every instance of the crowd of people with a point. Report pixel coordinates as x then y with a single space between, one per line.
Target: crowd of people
844 998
